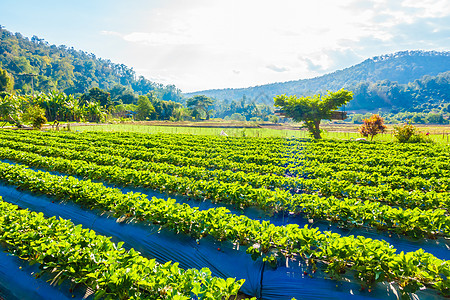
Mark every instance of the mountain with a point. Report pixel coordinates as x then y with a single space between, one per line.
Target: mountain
403 81
37 65
401 67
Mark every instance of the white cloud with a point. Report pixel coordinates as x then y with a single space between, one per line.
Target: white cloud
277 68
206 44
429 8
200 44
110 32
157 38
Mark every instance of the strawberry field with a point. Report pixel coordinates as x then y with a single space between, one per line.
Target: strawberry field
174 216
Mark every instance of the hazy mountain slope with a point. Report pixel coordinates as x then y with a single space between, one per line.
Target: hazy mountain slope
402 67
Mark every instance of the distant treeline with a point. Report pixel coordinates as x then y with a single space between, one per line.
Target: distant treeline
405 117
422 95
423 101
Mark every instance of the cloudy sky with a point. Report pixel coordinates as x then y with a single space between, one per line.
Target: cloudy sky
205 44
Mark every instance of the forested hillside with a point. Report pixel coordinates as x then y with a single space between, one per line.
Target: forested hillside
35 64
405 85
420 95
386 72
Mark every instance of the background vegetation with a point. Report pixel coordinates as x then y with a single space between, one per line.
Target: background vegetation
72 85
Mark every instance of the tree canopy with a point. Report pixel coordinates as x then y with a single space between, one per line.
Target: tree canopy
96 95
10 109
145 109
372 126
200 103
311 110
6 81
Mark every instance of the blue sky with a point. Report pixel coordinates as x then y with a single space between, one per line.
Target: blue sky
204 44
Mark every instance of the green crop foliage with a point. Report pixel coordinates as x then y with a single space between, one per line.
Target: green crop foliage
79 255
402 188
261 238
348 211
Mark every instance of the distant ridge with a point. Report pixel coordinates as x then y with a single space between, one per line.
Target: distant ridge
401 67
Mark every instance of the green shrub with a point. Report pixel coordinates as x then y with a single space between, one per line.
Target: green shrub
408 133
372 126
36 116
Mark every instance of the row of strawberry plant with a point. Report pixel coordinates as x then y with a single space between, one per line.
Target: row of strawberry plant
202 147
171 157
312 169
188 139
358 173
350 212
373 160
327 187
340 146
369 149
224 154
241 195
339 189
372 260
79 255
401 197
326 158
325 152
440 184
407 167
201 173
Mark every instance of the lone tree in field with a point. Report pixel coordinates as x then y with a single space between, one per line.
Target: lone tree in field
200 103
372 126
311 110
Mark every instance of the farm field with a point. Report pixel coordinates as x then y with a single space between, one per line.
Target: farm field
291 216
439 134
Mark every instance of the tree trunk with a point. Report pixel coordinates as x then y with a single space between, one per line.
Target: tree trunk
16 122
313 128
317 129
